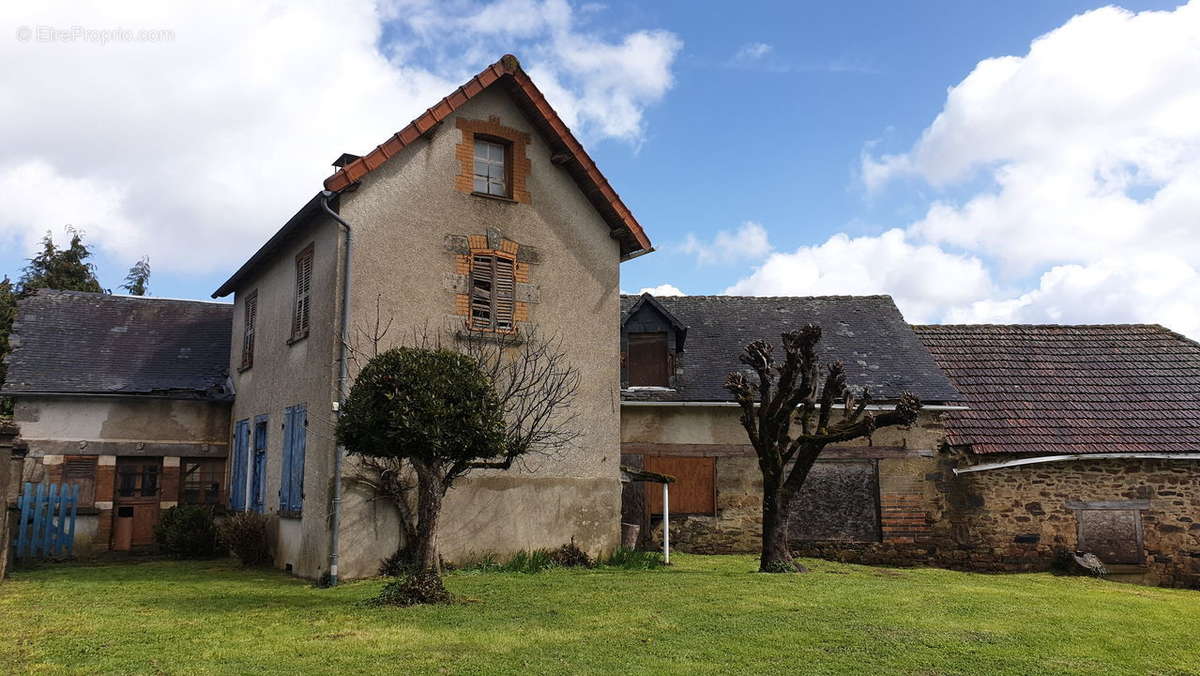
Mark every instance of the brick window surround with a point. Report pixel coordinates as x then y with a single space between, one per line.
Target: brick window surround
512 303
515 141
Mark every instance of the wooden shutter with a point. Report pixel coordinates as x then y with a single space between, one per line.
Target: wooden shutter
299 443
505 296
285 473
241 447
647 364
483 283
300 318
694 490
251 316
291 490
80 470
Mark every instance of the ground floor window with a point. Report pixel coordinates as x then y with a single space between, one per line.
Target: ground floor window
694 490
201 481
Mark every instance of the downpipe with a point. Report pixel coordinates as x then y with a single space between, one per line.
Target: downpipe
343 376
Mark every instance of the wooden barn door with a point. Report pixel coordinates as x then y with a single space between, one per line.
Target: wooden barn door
694 490
137 502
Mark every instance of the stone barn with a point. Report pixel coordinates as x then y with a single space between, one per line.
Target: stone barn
1077 438
677 419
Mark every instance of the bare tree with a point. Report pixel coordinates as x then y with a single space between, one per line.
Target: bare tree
788 415
532 386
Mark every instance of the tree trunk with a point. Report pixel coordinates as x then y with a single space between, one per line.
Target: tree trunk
776 557
429 508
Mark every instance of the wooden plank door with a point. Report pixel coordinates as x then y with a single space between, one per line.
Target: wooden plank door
137 502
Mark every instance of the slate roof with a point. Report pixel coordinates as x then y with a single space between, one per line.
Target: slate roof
94 343
867 333
1070 389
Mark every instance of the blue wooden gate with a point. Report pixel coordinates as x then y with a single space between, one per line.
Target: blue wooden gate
47 525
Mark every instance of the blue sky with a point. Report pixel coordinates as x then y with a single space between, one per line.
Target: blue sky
812 122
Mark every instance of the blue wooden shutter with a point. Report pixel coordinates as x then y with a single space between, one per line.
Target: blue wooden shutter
299 443
241 447
285 474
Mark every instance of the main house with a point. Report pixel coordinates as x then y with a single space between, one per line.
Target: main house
485 216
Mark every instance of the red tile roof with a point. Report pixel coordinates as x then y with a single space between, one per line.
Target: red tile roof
1070 389
507 73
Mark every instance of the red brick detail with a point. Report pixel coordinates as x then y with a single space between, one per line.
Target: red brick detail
901 517
584 171
518 163
169 488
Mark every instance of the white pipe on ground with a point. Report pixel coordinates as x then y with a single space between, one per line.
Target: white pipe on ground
666 523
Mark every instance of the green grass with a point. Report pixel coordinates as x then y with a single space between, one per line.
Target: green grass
705 615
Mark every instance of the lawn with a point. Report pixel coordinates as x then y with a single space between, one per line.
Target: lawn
701 615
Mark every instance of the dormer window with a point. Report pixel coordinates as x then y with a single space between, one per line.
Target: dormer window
649 360
491 167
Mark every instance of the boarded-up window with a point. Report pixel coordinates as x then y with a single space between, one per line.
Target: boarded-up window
80 470
1114 535
694 489
303 308
647 363
839 502
251 315
493 292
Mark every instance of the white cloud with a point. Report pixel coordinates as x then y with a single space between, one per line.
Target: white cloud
1148 289
748 243
921 278
194 149
752 51
662 290
1088 151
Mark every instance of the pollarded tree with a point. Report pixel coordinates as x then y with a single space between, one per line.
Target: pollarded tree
789 416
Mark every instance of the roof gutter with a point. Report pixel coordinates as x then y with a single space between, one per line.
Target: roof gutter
723 404
1076 456
637 254
343 378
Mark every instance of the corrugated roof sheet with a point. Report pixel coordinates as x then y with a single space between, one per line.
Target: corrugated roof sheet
1070 389
93 343
867 333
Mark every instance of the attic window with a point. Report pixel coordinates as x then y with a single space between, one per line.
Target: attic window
251 314
491 167
493 286
648 363
303 306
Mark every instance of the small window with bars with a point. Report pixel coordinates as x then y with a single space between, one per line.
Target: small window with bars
251 315
303 308
202 481
491 167
493 287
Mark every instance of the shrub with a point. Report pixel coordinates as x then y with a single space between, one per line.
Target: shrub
188 532
419 588
571 556
246 534
400 563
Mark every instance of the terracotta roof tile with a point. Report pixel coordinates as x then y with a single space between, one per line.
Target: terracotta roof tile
1070 389
508 71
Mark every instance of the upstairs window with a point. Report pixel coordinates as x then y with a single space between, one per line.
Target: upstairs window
251 314
648 363
493 287
491 168
303 308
